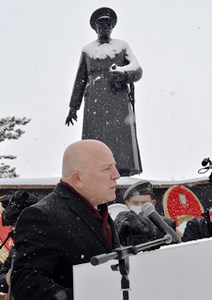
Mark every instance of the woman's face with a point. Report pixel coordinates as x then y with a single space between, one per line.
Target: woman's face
104 27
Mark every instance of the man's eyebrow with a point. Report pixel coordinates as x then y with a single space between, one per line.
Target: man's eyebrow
108 164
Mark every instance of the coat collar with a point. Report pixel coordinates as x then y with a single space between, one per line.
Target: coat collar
76 204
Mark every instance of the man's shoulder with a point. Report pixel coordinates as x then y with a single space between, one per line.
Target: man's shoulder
62 199
58 197
197 221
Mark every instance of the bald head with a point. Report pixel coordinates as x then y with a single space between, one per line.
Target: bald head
89 167
81 155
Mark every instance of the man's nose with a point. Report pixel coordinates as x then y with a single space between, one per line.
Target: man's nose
116 174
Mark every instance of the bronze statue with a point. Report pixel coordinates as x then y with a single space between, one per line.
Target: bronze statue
106 71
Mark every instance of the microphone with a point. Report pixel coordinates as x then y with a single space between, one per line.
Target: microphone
206 161
149 211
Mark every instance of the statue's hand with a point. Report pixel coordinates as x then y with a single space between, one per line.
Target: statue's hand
117 80
118 77
72 115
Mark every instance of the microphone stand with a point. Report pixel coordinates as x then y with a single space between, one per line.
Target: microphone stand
122 255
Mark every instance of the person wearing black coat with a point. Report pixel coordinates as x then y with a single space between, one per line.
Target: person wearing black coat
12 204
198 228
68 226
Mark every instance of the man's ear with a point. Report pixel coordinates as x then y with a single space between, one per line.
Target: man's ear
154 202
76 179
126 202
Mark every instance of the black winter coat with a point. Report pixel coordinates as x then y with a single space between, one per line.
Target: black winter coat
198 228
51 237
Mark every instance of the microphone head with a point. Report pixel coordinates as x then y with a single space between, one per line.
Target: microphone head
205 162
147 208
94 261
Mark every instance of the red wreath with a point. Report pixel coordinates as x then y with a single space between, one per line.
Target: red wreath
181 204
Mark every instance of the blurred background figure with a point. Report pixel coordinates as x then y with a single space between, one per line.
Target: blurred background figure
199 228
107 70
13 205
134 227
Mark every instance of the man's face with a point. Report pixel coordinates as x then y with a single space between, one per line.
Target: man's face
104 27
99 179
139 200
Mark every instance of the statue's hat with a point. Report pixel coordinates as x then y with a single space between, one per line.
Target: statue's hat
103 12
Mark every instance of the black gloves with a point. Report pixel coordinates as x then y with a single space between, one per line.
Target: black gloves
72 115
134 229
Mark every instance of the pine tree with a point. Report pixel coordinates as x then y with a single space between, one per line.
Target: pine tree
8 131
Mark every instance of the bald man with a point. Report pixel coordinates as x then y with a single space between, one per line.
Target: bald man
67 227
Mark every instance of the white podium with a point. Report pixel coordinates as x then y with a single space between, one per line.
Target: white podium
172 272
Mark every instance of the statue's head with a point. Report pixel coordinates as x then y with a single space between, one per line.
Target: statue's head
103 15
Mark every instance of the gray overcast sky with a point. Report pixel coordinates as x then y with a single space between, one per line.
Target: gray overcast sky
41 41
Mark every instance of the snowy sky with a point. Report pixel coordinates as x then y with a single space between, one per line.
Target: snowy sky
41 41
